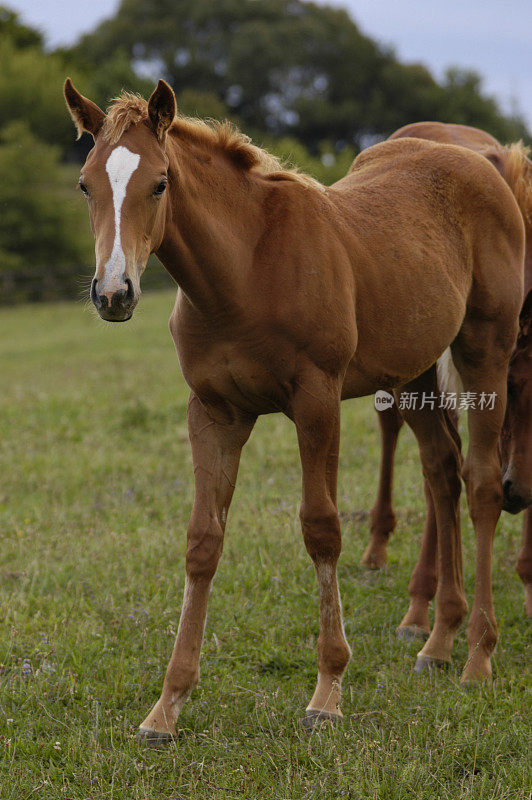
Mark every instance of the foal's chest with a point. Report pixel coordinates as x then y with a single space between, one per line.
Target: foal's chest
223 370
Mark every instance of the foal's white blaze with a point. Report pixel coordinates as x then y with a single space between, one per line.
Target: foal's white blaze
120 166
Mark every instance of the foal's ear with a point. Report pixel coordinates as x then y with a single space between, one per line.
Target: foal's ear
494 155
161 109
87 115
525 317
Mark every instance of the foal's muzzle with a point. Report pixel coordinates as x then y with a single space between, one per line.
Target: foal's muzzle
114 306
514 500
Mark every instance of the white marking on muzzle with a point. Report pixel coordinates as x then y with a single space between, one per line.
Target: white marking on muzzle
120 166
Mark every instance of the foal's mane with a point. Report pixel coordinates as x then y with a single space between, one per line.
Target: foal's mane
518 176
130 109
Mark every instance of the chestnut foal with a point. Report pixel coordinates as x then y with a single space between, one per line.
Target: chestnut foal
516 436
293 297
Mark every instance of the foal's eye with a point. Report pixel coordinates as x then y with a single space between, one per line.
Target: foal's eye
160 188
83 188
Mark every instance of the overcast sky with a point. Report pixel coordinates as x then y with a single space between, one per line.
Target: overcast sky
490 36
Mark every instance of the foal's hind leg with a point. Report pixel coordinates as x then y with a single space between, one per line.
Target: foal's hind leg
316 413
383 518
441 461
217 438
524 561
424 580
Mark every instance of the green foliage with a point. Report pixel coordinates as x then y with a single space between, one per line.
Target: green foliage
327 167
290 67
104 80
21 35
31 90
40 236
464 101
95 497
205 105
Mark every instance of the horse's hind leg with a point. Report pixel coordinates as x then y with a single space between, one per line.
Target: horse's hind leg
216 438
383 518
524 561
481 353
441 461
424 580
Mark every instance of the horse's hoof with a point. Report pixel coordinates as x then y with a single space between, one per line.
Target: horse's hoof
408 633
156 739
314 719
374 561
427 664
528 600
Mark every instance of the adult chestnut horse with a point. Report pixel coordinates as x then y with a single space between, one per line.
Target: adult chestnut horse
516 436
293 297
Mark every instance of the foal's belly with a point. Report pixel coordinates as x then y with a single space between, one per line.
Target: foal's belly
401 344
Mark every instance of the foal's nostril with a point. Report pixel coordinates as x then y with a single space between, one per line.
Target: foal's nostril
130 293
94 294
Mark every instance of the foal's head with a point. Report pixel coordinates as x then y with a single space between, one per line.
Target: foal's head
124 180
517 431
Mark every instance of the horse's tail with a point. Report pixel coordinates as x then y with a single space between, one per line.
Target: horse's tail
449 379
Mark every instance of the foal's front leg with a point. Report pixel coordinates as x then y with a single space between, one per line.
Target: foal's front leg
316 412
216 441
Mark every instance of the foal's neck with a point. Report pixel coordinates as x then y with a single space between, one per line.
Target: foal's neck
214 220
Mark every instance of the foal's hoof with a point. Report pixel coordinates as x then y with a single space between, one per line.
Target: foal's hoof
374 559
428 664
409 633
314 719
156 739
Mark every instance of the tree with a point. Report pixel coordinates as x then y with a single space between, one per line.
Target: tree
287 67
31 84
21 35
40 240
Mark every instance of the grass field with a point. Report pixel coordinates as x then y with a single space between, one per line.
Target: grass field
95 494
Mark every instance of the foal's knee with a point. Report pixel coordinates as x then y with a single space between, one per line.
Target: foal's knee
321 531
484 489
204 548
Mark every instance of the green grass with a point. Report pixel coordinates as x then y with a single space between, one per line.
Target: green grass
95 494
